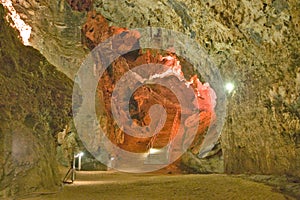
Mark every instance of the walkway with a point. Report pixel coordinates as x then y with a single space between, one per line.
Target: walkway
123 186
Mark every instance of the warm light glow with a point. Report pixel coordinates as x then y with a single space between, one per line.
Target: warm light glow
229 87
93 183
18 23
153 151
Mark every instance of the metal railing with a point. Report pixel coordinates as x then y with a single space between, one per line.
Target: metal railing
71 174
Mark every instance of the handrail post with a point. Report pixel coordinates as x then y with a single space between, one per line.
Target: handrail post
79 162
73 171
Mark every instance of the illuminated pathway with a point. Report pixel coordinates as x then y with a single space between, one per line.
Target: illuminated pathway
115 185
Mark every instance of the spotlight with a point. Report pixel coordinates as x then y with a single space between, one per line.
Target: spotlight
229 87
79 155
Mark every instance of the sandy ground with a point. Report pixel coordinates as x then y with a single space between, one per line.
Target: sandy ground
123 186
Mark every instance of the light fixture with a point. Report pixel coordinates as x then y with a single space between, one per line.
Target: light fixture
80 154
229 87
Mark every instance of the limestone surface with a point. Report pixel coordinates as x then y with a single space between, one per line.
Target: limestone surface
254 44
35 103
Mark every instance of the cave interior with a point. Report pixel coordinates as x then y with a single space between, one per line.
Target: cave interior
159 87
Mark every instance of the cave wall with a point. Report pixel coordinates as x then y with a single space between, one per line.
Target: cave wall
35 103
255 44
56 32
262 59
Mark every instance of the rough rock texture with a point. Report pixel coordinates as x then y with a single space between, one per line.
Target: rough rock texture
97 30
255 44
212 163
262 130
286 184
68 145
34 103
56 31
80 5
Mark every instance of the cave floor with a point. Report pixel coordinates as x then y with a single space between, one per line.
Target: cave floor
93 185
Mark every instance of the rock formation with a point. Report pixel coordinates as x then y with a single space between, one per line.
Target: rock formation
97 30
34 105
254 44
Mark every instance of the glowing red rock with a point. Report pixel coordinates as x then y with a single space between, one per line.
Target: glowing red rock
96 30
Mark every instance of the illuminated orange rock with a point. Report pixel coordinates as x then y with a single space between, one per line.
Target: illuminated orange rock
96 30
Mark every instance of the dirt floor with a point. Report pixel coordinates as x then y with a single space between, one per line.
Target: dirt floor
115 185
